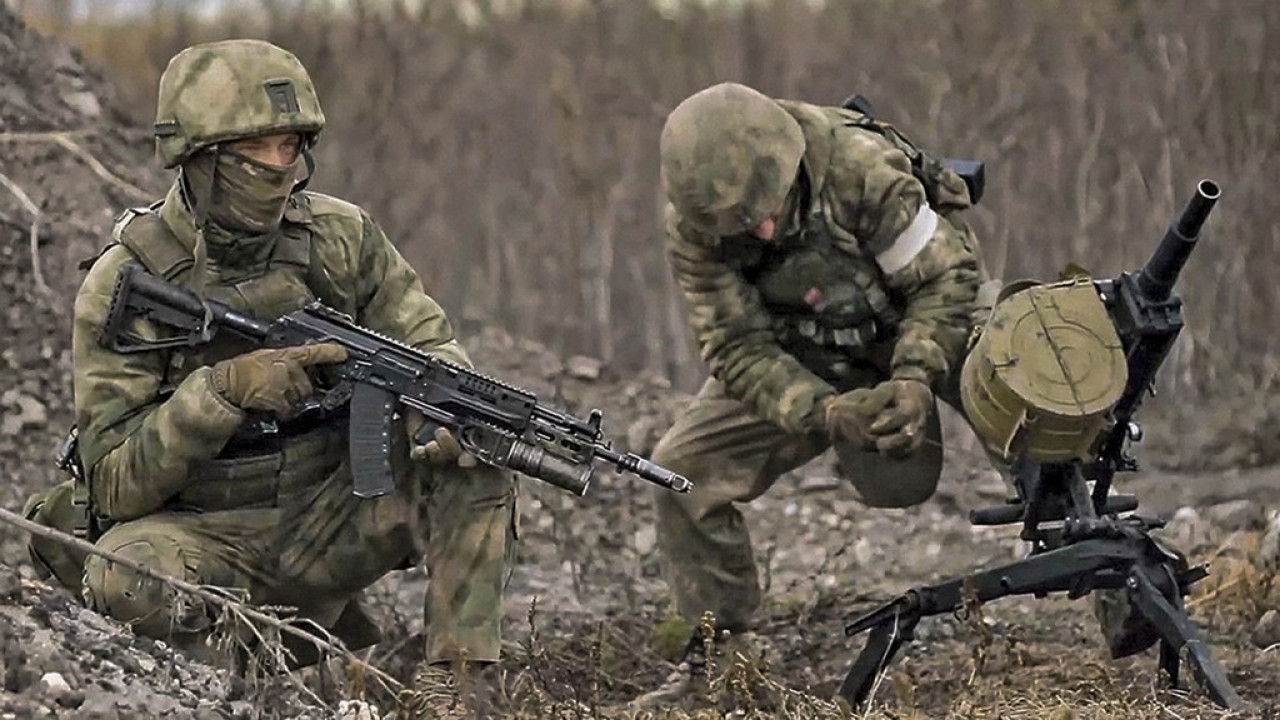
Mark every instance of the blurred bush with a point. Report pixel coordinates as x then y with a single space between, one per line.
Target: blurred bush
510 148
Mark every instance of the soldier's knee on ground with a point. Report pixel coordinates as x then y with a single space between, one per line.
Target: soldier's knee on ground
51 558
150 606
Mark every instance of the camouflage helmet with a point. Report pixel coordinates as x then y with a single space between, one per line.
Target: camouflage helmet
230 90
729 157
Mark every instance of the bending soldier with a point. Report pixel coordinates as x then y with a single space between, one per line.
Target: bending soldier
832 289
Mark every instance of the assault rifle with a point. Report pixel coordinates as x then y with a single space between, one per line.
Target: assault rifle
1088 544
501 425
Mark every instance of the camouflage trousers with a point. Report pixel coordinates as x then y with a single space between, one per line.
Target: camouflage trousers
732 455
285 529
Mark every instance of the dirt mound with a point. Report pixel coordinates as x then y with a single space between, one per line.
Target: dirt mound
58 659
68 166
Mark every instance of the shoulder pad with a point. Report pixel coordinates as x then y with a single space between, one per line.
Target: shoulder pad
121 220
145 233
127 216
317 205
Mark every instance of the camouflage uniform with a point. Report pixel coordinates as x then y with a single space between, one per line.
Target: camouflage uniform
193 486
870 277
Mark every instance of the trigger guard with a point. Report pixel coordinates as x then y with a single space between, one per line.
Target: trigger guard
472 445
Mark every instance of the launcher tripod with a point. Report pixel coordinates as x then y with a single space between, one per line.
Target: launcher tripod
1083 540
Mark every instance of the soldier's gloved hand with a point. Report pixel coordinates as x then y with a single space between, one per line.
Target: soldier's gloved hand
849 415
442 450
899 427
889 417
272 379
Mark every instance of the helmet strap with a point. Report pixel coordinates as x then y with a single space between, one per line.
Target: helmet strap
310 162
201 217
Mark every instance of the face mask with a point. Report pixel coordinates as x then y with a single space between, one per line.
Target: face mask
247 195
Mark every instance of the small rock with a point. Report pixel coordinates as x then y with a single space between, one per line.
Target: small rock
1267 632
357 710
1188 531
583 367
818 483
71 700
54 685
83 102
1237 515
1269 548
646 539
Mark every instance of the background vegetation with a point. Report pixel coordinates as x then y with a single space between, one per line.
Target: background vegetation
511 147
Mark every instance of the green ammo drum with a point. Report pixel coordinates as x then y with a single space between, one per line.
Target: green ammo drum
1045 372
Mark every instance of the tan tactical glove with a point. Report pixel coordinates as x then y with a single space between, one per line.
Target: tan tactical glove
272 379
889 417
443 450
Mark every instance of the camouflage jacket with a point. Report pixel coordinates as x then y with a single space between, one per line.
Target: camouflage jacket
863 280
148 421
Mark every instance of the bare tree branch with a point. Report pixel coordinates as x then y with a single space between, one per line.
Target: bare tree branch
30 207
327 643
66 140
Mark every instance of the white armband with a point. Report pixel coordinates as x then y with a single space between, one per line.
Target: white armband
910 242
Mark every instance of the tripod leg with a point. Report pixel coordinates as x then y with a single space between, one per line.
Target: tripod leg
883 643
1181 637
1169 661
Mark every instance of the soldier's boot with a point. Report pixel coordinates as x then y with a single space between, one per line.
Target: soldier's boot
445 691
357 710
690 676
687 679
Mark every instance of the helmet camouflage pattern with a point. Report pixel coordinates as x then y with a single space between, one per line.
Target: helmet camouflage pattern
729 156
229 90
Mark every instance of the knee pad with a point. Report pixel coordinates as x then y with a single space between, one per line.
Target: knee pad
54 509
150 606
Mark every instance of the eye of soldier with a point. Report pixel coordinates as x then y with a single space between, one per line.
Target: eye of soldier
277 150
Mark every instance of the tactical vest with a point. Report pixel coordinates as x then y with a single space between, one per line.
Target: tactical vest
832 309
278 285
252 469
